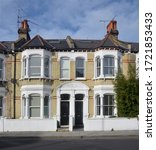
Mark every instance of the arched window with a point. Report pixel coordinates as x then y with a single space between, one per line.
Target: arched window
80 67
46 66
108 105
64 68
1 106
1 69
98 66
98 105
35 65
108 66
34 105
46 106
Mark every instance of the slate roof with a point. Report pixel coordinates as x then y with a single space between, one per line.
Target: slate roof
37 42
109 41
3 48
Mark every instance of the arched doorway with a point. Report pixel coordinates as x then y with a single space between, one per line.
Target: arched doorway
72 104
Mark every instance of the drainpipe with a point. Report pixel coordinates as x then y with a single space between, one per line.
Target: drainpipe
14 94
13 80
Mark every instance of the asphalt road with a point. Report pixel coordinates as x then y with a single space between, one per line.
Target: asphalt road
48 143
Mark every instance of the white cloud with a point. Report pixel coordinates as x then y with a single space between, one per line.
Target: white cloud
78 18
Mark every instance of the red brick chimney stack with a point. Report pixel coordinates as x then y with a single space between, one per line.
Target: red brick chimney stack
112 28
24 30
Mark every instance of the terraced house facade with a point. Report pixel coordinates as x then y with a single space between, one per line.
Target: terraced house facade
68 81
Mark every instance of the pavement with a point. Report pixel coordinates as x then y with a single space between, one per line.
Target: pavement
73 134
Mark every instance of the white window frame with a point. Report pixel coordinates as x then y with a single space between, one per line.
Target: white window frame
48 107
109 67
38 67
34 106
97 97
97 67
68 68
80 68
108 105
46 68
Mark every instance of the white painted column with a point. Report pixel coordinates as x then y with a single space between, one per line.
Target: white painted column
27 67
42 67
50 106
101 71
42 106
58 105
71 111
101 99
27 107
85 109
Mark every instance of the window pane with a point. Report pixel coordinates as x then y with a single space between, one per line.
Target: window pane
1 74
46 107
46 67
64 68
64 73
35 112
80 62
1 102
0 111
1 68
105 110
35 71
35 61
79 97
98 110
111 112
98 67
65 96
64 63
98 100
46 112
34 101
108 66
105 100
79 67
1 63
79 72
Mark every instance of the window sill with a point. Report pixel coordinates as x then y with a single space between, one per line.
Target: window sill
78 79
64 79
100 78
37 77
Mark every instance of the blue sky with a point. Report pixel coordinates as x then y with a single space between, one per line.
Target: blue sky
78 18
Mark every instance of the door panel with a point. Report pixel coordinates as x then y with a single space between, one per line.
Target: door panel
78 113
64 113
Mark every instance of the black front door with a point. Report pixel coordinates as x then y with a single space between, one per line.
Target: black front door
64 113
78 114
